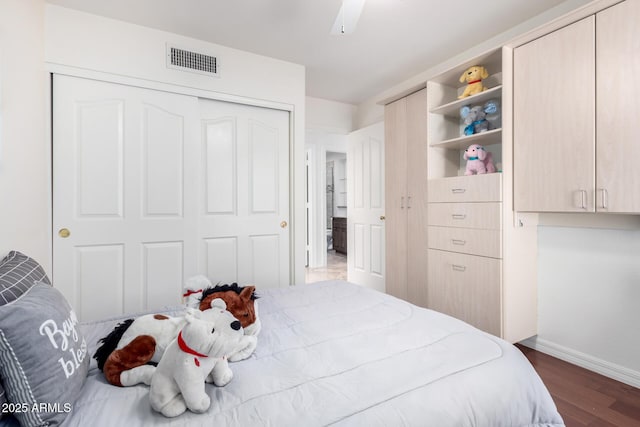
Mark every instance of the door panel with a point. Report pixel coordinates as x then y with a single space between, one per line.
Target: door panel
395 128
120 188
365 206
244 230
618 64
156 187
554 123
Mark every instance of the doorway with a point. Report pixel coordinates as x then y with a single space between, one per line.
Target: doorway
328 218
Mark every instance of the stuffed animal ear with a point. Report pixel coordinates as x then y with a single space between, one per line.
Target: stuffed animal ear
482 154
463 76
218 303
247 292
464 111
484 73
491 106
466 154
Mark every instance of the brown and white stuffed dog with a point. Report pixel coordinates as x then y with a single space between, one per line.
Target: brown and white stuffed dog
130 353
473 76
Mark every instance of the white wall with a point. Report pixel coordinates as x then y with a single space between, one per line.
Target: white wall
588 294
87 42
24 150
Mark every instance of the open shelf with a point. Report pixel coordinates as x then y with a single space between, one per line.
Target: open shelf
462 142
453 108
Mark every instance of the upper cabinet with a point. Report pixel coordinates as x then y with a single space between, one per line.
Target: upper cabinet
575 102
618 108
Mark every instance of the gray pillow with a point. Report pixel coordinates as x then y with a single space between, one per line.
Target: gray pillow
18 273
43 356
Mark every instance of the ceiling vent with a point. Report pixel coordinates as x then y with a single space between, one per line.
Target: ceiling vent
186 60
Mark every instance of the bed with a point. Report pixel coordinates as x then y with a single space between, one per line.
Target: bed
335 353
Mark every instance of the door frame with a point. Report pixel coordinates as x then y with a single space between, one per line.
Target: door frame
297 225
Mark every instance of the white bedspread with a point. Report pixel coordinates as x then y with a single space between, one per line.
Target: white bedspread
335 353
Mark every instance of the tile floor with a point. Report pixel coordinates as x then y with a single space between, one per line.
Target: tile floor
336 269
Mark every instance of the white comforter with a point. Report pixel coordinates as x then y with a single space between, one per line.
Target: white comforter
335 353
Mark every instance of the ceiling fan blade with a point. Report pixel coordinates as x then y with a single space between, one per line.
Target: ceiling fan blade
348 16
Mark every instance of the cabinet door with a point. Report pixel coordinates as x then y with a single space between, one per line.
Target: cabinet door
416 171
554 124
466 287
395 154
618 89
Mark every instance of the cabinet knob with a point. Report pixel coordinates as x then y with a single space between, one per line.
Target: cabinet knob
64 233
382 218
283 224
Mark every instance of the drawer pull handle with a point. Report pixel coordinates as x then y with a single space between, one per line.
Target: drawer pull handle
458 242
458 216
458 190
457 267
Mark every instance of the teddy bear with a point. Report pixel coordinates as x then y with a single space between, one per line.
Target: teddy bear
479 160
241 302
473 76
196 356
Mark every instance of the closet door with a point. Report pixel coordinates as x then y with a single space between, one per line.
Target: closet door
395 148
554 123
618 87
416 171
124 199
243 228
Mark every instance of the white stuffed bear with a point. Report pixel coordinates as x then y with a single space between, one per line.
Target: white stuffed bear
198 354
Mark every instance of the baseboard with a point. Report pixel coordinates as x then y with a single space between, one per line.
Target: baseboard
608 369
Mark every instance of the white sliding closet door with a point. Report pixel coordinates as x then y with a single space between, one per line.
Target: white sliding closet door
124 199
244 222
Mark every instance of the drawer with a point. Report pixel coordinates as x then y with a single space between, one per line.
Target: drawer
473 188
466 287
466 215
466 240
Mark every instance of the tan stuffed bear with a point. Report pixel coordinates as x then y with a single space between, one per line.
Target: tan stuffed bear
198 354
473 76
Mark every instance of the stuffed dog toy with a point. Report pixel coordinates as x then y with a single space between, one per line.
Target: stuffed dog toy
478 160
197 354
473 76
240 300
130 353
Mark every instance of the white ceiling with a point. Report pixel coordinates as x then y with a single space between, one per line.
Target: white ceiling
394 39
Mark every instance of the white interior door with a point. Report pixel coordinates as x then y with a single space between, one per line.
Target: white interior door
244 231
124 203
365 207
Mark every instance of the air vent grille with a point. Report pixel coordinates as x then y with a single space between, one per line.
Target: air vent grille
192 61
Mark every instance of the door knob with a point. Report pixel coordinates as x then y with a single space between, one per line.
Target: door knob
382 218
283 224
64 233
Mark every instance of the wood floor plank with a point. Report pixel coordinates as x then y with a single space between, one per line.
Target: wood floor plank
585 398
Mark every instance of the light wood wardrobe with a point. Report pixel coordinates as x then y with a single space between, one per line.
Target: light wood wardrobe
405 197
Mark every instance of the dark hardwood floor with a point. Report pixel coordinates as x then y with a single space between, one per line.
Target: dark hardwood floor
585 398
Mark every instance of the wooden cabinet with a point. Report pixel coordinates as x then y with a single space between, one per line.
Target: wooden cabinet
405 198
339 234
554 126
618 109
575 141
481 259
